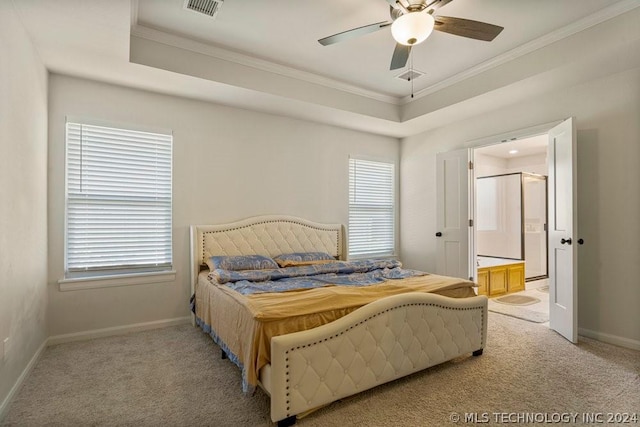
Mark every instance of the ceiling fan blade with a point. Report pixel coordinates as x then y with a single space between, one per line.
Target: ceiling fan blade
346 35
400 56
467 28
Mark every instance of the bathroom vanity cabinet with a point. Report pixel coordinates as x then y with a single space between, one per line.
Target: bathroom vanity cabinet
497 276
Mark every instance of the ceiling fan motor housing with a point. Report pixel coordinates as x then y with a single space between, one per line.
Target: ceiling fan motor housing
412 28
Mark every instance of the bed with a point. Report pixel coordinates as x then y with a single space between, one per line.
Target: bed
310 347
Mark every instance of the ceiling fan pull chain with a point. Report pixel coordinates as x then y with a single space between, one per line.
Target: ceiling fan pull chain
411 70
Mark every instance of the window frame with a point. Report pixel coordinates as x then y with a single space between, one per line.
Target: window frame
395 208
107 277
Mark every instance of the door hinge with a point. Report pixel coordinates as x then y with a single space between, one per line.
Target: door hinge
470 223
470 165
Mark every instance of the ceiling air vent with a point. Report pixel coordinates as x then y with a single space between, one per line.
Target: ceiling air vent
205 7
410 75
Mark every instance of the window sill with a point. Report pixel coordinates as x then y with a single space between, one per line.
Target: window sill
82 283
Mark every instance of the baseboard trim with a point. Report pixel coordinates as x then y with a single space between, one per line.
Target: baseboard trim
611 339
117 330
23 376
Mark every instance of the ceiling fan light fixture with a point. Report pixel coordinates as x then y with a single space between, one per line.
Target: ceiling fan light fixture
412 28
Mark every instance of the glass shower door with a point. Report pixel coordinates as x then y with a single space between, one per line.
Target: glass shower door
535 220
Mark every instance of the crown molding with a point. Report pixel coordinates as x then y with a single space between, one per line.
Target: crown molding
180 42
587 22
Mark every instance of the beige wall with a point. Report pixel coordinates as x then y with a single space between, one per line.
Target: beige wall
228 164
23 191
607 112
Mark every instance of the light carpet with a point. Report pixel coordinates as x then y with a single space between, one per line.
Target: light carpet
175 377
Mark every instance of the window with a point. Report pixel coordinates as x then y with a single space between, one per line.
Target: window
118 201
371 208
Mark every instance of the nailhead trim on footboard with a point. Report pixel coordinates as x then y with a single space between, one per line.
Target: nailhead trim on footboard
386 370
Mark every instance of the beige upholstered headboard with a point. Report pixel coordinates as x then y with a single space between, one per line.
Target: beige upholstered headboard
269 235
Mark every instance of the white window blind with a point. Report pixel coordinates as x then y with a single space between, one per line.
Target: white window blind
371 208
118 200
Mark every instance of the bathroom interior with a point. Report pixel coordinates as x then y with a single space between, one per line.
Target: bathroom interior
511 217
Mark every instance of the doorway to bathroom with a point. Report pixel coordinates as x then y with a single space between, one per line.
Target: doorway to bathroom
511 239
456 212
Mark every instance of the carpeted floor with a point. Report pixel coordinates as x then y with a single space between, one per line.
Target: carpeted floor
175 377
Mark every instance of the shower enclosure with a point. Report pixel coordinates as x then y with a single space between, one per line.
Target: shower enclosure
511 219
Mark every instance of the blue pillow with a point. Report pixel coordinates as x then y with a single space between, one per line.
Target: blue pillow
242 262
303 258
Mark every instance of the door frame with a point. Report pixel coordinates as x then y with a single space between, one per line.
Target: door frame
566 323
486 142
546 221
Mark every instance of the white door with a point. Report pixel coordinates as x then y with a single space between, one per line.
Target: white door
452 217
563 286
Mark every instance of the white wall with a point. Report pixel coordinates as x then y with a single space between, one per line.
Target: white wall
23 191
229 164
486 165
489 165
606 111
536 163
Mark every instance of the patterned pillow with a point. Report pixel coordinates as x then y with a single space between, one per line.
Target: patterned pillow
242 262
303 258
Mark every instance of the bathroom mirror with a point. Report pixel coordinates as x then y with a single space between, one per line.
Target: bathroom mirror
511 218
499 216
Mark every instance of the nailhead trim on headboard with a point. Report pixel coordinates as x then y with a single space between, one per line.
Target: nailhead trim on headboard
258 222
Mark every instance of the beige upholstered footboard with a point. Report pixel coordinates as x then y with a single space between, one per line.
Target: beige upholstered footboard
380 342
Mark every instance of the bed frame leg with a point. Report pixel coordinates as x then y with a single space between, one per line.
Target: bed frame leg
478 352
289 421
223 355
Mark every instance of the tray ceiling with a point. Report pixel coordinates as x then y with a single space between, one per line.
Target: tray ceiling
264 55
286 33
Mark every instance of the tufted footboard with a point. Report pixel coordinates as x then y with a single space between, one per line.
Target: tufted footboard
380 342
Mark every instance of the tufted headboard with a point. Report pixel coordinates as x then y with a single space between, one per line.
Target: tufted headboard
269 235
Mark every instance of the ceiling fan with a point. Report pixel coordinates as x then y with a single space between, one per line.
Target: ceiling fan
412 23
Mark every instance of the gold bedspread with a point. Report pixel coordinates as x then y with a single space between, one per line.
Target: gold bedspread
246 323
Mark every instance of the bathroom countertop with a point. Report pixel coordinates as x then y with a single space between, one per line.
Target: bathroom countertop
493 262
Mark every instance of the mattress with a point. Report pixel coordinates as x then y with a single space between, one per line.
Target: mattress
243 325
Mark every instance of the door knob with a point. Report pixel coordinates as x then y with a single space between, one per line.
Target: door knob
567 241
438 234
581 241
